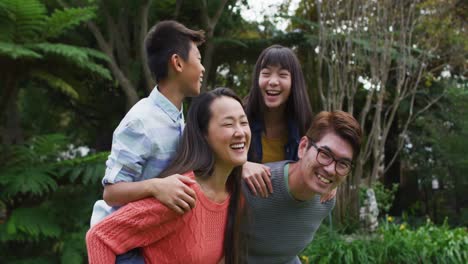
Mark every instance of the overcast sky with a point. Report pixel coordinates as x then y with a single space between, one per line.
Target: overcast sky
259 8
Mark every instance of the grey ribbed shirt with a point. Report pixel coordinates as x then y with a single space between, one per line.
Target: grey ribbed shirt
280 227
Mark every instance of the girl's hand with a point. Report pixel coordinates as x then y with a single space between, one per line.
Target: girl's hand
328 196
257 176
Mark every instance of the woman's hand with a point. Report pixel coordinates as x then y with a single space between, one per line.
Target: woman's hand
257 176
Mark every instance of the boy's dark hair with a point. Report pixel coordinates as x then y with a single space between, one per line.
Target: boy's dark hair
165 39
339 122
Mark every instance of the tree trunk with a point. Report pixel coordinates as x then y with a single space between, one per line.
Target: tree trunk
210 25
127 86
149 81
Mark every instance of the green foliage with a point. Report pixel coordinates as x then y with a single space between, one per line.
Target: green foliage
22 20
14 51
48 197
25 32
383 196
56 83
62 20
393 243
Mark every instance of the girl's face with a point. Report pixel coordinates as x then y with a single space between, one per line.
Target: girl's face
228 132
275 86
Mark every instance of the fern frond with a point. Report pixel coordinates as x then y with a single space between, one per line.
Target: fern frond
62 20
75 55
96 54
29 180
97 69
89 169
17 51
48 145
56 83
71 53
6 23
34 222
28 17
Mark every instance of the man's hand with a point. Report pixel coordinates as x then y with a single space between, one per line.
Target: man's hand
257 176
173 192
328 196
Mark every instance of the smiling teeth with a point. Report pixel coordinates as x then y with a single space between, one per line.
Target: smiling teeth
238 146
272 92
324 180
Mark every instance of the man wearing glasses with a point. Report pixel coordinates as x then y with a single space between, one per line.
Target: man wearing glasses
282 225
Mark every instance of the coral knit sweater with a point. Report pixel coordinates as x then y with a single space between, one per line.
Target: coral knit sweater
163 235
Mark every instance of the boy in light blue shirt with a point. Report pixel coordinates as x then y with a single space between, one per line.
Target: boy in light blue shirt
147 137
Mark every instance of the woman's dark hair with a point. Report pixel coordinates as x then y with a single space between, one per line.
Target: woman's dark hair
298 105
194 153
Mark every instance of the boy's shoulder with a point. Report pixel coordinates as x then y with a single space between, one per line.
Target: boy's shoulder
152 108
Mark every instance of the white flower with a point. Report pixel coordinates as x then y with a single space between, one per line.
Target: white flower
390 29
415 46
445 74
409 146
365 28
428 149
317 50
360 79
367 85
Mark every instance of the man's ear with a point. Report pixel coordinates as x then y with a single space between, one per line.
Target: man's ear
303 144
176 63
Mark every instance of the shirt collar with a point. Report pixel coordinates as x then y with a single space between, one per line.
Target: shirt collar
167 106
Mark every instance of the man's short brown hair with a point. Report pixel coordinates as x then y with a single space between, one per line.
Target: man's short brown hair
339 122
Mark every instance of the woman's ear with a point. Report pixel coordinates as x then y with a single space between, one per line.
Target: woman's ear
303 147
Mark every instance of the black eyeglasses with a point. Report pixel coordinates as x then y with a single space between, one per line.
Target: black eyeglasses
325 158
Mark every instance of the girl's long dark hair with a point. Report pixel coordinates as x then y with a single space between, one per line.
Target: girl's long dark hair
194 153
298 105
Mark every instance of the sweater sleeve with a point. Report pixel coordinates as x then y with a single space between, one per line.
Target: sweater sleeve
135 225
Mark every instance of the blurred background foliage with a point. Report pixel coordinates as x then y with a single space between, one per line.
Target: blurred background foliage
69 71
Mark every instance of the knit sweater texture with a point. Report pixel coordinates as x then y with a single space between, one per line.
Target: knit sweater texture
280 227
163 235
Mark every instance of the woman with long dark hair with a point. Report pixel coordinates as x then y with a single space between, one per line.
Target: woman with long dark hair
213 149
279 112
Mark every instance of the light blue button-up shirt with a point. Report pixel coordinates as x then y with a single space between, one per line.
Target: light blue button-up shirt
143 144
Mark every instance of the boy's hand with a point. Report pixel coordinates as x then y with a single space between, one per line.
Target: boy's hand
328 196
257 177
173 192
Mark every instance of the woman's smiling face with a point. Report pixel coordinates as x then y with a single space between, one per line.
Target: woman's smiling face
275 86
228 132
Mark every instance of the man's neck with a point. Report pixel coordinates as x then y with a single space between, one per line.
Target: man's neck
297 187
171 92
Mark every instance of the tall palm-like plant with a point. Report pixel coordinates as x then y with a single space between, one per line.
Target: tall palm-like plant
29 49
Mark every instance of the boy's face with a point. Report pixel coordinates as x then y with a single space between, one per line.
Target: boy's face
192 75
318 178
